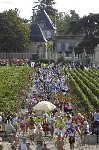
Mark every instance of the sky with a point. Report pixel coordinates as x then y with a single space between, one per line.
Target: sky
81 7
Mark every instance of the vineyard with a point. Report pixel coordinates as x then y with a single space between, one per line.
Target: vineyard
86 87
14 81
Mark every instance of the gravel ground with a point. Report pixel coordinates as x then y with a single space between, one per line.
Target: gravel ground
50 144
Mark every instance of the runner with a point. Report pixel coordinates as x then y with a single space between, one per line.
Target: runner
39 141
71 133
59 142
23 145
31 126
22 123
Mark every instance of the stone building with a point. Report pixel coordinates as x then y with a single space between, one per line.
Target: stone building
63 45
46 25
41 30
38 41
66 44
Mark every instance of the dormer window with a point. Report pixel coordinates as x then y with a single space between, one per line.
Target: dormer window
48 34
42 25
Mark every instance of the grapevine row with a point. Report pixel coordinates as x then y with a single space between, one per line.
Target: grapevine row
89 78
84 100
92 74
92 98
12 82
90 85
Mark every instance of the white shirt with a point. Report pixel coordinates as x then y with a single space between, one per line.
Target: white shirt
23 146
60 131
68 122
51 119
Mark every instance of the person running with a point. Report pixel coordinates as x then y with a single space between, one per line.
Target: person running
23 145
22 123
39 141
51 124
59 142
28 146
71 132
31 125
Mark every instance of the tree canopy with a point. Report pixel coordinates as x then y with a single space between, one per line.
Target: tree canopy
14 34
64 20
48 5
88 26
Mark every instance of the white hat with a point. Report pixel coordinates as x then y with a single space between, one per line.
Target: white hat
85 122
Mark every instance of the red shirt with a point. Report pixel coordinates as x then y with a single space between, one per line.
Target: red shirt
74 120
45 148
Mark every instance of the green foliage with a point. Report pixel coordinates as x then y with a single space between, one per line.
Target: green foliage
13 32
48 5
45 61
78 91
89 27
86 88
63 21
50 45
12 82
88 83
60 59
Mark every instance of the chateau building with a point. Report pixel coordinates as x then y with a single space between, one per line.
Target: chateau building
43 30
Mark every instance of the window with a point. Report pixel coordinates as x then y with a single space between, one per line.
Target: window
42 25
76 44
58 47
66 46
48 34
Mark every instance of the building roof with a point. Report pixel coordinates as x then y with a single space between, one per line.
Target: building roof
36 34
43 17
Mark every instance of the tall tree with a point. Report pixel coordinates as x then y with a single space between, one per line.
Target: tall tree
48 5
88 26
14 35
64 20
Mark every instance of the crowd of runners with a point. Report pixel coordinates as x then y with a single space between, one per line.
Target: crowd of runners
60 124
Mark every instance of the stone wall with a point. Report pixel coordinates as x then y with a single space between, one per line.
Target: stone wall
96 60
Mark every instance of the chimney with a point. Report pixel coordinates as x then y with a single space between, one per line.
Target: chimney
55 18
33 19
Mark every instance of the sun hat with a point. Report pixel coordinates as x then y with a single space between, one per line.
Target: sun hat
85 122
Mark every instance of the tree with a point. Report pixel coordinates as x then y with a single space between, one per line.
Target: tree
48 5
88 26
14 35
64 21
74 18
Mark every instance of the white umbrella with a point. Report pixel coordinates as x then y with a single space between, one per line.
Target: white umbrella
44 105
